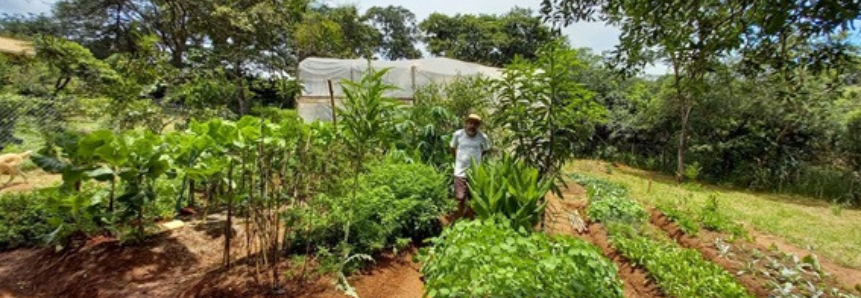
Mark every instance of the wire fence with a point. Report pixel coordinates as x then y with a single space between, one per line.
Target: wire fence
25 121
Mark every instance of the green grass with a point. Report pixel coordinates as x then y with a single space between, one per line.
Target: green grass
805 222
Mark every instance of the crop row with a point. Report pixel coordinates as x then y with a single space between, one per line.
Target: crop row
678 271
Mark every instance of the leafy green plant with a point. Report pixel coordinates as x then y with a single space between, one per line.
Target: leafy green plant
146 163
692 171
548 114
609 202
713 219
63 154
678 271
23 219
73 215
679 215
510 188
415 182
488 258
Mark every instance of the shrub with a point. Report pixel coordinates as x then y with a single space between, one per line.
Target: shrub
509 188
415 182
393 201
490 259
23 219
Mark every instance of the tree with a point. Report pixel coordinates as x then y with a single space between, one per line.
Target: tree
359 39
253 35
398 29
489 39
31 25
694 36
318 36
103 26
548 114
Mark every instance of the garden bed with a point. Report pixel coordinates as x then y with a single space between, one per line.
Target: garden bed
635 279
764 269
185 262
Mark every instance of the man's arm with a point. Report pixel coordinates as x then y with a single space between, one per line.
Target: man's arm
486 149
452 146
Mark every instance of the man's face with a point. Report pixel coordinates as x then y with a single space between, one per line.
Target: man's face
472 127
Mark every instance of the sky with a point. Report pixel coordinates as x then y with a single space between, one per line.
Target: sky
597 36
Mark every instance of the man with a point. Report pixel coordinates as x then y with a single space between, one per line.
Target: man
467 144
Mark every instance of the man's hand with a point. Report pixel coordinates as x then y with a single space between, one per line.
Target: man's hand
453 151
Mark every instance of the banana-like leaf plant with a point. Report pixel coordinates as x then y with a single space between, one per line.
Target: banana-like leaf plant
511 188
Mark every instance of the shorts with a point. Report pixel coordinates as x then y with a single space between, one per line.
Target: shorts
461 188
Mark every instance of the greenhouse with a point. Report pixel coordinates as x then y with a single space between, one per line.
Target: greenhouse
315 75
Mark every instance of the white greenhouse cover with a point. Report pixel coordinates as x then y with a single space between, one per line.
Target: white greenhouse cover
406 75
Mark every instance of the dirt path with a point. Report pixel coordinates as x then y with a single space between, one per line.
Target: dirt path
35 179
182 263
635 279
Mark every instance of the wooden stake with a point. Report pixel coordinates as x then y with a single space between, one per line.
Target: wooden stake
332 101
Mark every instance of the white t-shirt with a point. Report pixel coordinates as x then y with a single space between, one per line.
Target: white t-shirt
467 148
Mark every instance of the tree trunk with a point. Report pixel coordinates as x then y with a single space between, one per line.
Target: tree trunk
683 136
191 192
113 187
684 112
240 85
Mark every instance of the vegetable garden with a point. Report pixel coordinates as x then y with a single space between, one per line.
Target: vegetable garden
235 195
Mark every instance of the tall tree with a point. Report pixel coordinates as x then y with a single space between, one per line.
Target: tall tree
359 38
252 35
488 39
399 33
103 26
30 25
693 36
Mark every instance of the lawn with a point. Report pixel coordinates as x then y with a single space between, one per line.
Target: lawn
832 231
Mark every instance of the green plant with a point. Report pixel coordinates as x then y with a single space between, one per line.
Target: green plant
678 271
145 165
23 219
692 171
679 215
609 202
74 215
548 114
510 188
414 182
488 258
713 219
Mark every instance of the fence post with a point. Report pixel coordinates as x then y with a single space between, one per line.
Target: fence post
332 101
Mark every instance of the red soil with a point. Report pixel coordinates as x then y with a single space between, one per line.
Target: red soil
636 282
742 253
186 262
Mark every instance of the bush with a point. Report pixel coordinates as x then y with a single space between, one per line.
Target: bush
415 182
394 201
510 188
490 259
23 219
